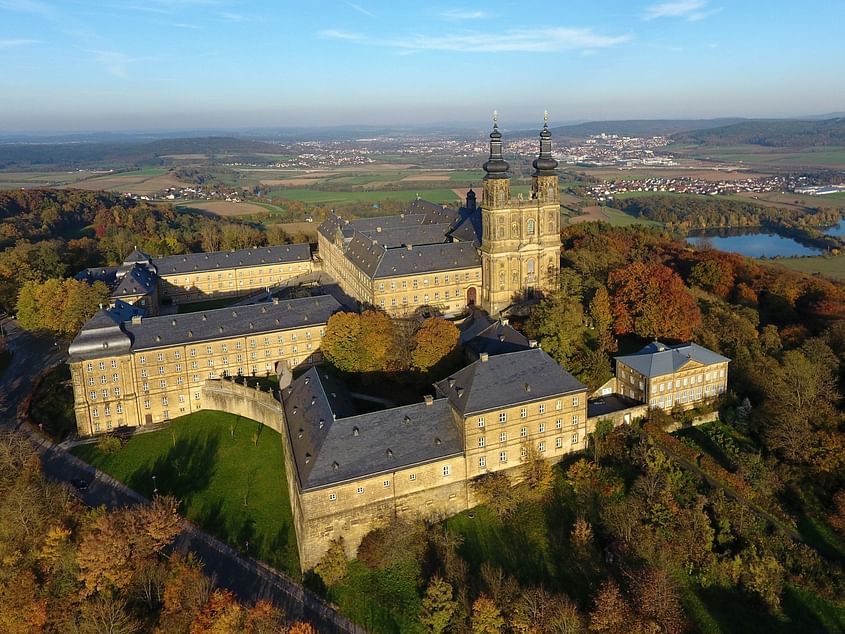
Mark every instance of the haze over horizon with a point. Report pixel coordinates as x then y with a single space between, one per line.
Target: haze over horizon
179 64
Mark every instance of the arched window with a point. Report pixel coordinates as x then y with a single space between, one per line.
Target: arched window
530 267
530 228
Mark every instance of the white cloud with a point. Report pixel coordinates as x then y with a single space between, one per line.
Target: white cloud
457 15
15 43
692 10
359 9
520 40
334 34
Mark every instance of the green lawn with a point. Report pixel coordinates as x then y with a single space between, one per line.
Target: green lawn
233 489
211 304
827 265
321 197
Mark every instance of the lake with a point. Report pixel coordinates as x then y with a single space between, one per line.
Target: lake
837 230
754 242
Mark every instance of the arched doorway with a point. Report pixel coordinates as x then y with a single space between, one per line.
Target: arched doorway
471 298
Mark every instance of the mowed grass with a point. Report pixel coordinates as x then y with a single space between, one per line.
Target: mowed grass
321 197
832 266
232 488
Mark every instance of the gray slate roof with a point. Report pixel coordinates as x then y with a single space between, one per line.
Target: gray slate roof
329 450
400 236
498 338
137 280
429 258
658 359
102 335
158 332
113 326
257 256
507 380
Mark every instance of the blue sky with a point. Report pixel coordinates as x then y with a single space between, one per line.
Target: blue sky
149 64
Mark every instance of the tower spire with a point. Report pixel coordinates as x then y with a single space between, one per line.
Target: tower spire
545 164
496 165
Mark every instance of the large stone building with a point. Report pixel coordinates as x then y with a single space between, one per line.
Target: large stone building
494 255
195 277
665 377
131 370
350 472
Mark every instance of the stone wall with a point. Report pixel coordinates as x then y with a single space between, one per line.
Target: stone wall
244 400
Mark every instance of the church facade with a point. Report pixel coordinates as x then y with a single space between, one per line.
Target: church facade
492 255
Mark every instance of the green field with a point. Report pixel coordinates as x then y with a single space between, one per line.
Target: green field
757 155
621 219
233 488
827 265
321 197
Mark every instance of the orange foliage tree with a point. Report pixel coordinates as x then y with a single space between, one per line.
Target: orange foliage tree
650 300
433 341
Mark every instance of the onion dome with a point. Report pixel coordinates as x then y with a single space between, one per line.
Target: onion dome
496 166
545 164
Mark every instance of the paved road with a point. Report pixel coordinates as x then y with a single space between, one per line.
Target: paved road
248 579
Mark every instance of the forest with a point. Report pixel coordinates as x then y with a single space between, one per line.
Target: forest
771 133
688 212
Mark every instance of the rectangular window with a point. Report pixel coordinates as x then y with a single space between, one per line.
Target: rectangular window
91 380
120 408
114 378
412 477
446 470
481 421
105 393
558 404
162 383
90 367
332 497
160 357
116 391
386 484
102 365
541 447
558 424
359 490
541 409
93 395
558 443
575 401
542 427
503 417
575 439
481 441
575 419
147 404
523 432
503 456
196 396
482 462
523 412
503 436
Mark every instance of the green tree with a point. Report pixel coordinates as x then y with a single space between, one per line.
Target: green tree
604 427
438 606
557 324
602 318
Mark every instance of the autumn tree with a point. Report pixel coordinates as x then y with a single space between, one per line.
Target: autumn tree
333 565
557 324
59 306
601 316
264 618
537 472
486 617
612 613
438 606
651 301
433 341
497 492
657 600
221 614
359 343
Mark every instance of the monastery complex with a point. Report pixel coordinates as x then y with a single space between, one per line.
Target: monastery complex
349 470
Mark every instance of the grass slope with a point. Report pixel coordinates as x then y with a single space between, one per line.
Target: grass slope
829 266
233 489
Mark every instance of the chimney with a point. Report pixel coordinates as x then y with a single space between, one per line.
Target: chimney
136 319
275 301
504 321
429 400
410 247
483 357
378 229
532 343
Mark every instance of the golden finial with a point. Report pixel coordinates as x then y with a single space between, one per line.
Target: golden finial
545 117
495 117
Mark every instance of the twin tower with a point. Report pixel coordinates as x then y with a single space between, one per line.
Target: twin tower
520 245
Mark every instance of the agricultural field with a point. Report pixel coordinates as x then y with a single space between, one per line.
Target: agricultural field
825 265
144 181
222 207
18 179
613 216
826 157
345 197
702 171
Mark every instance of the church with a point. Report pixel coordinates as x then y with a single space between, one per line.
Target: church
494 255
